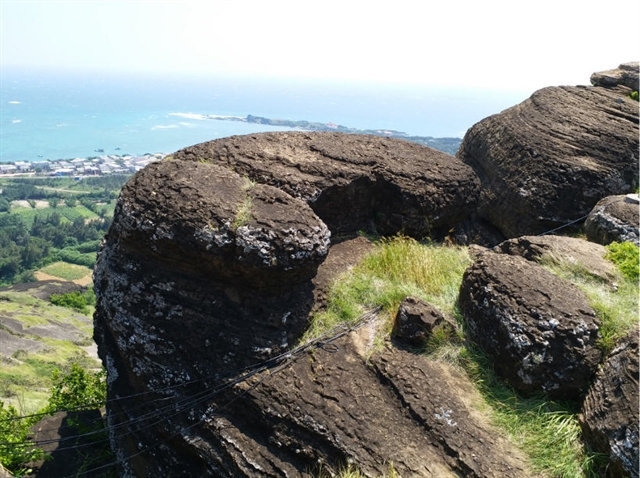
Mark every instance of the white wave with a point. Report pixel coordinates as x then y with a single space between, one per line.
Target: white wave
194 116
188 125
165 126
14 102
16 121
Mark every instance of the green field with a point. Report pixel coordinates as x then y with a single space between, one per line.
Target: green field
25 375
69 214
66 271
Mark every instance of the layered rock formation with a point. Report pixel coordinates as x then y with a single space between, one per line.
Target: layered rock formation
548 160
625 75
610 413
216 260
354 182
205 283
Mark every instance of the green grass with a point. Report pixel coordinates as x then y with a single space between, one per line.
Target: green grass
397 268
548 432
66 271
616 306
626 256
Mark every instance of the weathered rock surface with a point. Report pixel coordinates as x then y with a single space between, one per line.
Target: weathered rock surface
205 283
539 330
416 321
610 416
614 218
625 75
354 182
548 160
563 250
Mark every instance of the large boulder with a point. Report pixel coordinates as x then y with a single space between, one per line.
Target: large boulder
548 160
610 416
626 75
354 182
202 272
614 218
538 329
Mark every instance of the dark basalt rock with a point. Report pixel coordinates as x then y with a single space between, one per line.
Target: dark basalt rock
614 218
548 160
354 182
205 283
416 321
539 330
610 416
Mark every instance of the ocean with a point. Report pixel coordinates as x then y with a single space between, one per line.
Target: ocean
62 115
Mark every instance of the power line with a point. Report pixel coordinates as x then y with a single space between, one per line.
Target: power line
188 403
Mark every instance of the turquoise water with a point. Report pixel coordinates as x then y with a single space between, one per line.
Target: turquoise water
45 115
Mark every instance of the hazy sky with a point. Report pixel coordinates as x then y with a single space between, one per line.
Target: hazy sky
516 44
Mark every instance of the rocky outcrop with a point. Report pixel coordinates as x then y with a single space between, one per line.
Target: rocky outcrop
539 330
614 218
562 250
625 75
610 414
205 284
216 259
548 160
354 182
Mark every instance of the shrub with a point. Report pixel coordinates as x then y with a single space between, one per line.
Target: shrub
15 449
72 300
77 389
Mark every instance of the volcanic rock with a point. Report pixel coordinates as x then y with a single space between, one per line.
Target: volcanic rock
614 218
563 251
354 182
538 329
548 160
416 321
205 284
610 416
625 75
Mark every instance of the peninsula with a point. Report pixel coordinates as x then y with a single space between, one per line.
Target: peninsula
446 145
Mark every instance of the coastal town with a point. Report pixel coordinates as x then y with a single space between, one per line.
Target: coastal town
80 167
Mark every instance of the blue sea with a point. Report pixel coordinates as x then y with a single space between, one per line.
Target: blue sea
61 115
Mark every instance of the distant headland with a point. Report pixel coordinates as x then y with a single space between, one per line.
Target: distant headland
447 145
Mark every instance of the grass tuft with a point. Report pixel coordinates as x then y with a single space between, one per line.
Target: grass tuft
616 306
398 267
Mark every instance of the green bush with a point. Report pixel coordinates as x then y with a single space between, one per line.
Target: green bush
634 95
72 300
77 389
15 449
627 257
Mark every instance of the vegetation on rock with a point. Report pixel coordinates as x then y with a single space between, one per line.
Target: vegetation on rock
547 431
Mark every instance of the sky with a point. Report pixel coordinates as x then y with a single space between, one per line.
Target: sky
515 45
